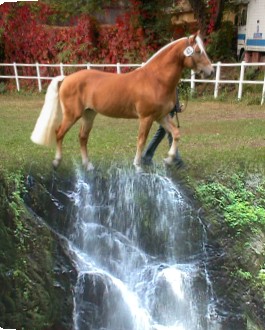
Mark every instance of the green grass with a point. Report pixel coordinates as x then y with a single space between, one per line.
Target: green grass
222 144
216 137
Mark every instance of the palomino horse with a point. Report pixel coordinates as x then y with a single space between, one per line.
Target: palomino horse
147 94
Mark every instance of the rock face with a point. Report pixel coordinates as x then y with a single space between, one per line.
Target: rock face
234 264
36 275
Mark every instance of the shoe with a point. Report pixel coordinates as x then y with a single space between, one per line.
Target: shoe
147 161
179 163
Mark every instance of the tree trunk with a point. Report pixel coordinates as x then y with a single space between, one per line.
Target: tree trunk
219 14
209 18
201 14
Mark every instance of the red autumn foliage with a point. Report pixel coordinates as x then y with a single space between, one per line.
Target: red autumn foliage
123 43
212 5
27 37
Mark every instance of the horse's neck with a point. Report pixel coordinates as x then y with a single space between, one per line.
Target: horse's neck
167 64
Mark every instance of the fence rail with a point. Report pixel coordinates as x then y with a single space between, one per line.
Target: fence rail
217 80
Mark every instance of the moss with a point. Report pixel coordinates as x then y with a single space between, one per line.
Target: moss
29 266
241 236
251 325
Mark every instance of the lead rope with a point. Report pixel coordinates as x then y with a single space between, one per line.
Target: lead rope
177 119
183 107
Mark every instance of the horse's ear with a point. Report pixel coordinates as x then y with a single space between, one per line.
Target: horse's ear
193 37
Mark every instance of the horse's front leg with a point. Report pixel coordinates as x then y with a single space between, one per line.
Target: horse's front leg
169 125
144 129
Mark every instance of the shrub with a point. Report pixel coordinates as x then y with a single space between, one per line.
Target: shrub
222 43
242 209
28 38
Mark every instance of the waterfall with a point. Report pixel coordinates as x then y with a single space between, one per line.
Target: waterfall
139 248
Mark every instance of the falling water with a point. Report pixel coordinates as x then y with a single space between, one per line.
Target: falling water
139 249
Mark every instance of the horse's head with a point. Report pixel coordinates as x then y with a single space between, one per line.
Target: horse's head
195 56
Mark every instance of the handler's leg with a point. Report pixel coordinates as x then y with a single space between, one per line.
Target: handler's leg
153 144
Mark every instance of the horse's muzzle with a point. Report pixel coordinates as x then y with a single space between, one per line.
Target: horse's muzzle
207 72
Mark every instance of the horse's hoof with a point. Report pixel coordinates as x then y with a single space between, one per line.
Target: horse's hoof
138 169
168 161
89 167
147 161
55 163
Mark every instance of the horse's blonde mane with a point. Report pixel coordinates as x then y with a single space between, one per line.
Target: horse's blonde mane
163 48
198 41
200 44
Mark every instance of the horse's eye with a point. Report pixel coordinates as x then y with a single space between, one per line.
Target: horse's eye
197 49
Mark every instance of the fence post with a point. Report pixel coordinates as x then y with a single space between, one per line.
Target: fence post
241 79
263 92
16 76
38 76
217 79
118 68
61 69
88 66
192 82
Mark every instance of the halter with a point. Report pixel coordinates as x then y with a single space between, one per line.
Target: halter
189 50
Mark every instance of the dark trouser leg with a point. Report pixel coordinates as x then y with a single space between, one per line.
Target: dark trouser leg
153 144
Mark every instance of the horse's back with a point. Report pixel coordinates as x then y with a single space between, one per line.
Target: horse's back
107 93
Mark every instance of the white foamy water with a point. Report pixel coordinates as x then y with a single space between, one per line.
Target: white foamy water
137 246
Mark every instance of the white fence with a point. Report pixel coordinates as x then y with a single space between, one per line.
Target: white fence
217 80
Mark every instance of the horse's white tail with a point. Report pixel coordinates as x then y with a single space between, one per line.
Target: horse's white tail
50 116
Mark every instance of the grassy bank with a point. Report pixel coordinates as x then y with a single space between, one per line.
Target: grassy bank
216 137
222 145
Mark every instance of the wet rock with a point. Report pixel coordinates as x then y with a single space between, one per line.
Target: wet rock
37 276
32 261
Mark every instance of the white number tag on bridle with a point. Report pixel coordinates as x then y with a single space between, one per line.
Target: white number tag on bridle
188 51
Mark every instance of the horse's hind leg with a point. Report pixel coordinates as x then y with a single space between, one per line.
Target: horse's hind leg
86 126
66 124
